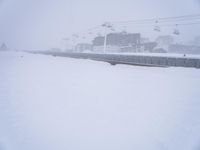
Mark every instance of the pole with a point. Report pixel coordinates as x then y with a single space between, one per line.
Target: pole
106 25
105 41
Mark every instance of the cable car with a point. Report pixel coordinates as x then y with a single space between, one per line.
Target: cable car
106 24
157 28
176 32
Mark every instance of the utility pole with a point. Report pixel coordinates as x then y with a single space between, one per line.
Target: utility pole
106 25
105 41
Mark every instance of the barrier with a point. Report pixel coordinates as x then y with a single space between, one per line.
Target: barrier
133 59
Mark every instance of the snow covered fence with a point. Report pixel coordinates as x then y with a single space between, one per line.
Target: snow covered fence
158 61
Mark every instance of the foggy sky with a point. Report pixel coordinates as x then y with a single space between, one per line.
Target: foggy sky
41 24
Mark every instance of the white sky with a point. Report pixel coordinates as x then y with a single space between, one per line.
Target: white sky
41 24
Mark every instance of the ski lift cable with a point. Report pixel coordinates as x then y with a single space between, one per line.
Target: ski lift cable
161 24
161 21
182 24
152 20
167 19
80 33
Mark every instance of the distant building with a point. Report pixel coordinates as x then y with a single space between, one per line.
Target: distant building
196 41
118 42
55 50
159 50
148 47
83 47
164 41
145 40
184 49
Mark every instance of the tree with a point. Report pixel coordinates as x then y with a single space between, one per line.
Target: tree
3 47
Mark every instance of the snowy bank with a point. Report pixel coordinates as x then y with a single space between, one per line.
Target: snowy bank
61 103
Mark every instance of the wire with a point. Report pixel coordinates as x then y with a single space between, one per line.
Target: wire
183 24
161 22
166 19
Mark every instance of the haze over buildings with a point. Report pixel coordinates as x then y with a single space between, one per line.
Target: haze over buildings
36 24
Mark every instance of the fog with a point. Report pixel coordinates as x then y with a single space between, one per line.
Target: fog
42 24
137 91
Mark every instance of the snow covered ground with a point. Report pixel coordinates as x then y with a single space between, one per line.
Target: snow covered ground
55 103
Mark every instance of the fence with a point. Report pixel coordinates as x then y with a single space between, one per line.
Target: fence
159 61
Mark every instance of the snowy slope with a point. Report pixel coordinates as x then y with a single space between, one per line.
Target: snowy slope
49 103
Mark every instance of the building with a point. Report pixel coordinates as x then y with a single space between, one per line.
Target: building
184 49
164 41
148 46
81 47
118 42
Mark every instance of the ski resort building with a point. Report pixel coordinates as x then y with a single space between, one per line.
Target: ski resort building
118 42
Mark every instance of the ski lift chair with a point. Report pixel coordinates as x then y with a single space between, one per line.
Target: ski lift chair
157 28
176 31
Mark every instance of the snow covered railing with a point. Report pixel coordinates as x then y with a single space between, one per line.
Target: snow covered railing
142 60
